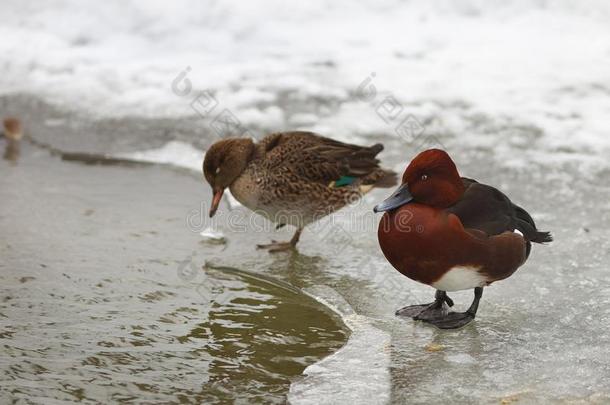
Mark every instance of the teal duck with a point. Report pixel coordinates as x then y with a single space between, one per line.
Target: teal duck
293 178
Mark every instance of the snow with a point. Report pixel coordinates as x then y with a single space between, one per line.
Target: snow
522 63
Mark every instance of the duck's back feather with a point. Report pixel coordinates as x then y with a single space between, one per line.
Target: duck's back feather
318 159
486 209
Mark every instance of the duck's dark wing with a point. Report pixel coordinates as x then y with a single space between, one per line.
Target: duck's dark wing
319 159
484 208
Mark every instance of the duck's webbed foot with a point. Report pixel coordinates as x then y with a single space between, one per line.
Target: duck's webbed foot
454 320
433 310
276 246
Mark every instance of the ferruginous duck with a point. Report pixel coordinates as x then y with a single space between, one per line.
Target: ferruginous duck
293 178
452 233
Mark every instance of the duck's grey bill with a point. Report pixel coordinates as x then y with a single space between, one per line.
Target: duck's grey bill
400 197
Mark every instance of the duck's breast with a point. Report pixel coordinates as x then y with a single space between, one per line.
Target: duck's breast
431 246
461 278
421 242
246 189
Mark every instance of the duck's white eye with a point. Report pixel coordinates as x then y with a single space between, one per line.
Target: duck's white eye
424 177
217 170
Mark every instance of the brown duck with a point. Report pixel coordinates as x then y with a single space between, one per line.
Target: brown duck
13 132
293 178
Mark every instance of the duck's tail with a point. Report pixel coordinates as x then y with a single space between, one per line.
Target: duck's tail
542 237
382 178
387 179
375 149
526 224
379 178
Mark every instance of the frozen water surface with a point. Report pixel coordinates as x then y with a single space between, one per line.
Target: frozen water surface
540 336
517 93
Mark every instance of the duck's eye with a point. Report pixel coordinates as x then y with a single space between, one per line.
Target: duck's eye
217 170
424 177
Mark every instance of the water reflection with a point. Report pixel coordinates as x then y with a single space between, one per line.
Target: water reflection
241 338
11 151
262 337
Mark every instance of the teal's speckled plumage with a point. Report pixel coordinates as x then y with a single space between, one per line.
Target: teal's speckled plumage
297 178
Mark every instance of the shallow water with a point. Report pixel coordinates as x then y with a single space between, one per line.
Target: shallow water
106 297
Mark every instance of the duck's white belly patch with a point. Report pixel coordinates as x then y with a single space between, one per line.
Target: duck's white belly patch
460 278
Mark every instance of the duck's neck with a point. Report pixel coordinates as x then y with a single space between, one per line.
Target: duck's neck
448 193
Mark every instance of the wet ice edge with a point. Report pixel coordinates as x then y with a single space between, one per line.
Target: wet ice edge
358 373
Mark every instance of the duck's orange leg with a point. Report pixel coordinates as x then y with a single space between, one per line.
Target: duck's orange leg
275 246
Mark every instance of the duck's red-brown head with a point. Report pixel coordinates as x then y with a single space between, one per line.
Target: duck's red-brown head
430 179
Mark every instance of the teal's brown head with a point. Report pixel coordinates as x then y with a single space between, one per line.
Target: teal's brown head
224 162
